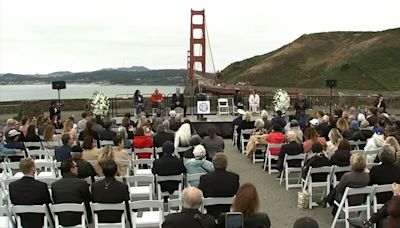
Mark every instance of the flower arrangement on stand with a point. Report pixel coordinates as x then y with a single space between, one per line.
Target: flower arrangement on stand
100 104
281 100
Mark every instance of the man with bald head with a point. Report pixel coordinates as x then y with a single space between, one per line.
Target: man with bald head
190 216
291 148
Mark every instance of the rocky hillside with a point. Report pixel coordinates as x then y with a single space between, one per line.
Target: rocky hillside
358 60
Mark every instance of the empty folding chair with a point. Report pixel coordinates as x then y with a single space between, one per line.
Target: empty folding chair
269 157
379 189
223 106
193 179
212 201
138 165
171 178
309 184
140 186
69 207
338 172
288 169
150 217
45 169
244 138
345 207
97 208
37 209
12 170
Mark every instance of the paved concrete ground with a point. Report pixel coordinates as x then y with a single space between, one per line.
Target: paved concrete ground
279 204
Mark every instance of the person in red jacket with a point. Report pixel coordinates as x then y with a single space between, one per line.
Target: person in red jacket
140 140
157 99
275 136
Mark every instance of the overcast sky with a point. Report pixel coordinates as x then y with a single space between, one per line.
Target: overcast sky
43 36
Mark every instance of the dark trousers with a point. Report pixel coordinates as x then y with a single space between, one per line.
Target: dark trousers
181 106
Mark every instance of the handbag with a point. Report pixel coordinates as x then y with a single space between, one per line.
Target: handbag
303 198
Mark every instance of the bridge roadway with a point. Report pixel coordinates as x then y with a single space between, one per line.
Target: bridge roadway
279 204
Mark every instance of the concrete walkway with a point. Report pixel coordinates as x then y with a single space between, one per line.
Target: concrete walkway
279 204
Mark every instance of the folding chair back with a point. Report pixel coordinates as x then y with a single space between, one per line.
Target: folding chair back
176 178
33 145
138 151
157 152
244 138
309 184
140 186
385 189
223 106
288 169
104 143
68 207
137 170
338 172
98 207
149 218
191 179
211 201
269 157
22 209
174 205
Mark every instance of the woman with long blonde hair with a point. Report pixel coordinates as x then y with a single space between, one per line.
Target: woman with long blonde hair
333 143
69 128
342 125
106 154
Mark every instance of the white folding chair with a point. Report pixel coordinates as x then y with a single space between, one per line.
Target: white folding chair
140 186
69 207
244 140
257 157
16 210
174 205
12 170
177 192
309 184
344 206
117 178
211 201
370 155
96 207
287 170
337 170
137 163
51 144
380 189
138 151
5 217
269 157
106 143
223 106
193 178
149 218
45 169
33 144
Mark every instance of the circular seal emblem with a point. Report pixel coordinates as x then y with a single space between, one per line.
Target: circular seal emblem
203 107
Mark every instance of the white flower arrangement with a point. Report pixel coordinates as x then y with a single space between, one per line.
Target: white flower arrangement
281 100
100 104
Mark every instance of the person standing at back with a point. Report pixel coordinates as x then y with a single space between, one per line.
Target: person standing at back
28 191
219 183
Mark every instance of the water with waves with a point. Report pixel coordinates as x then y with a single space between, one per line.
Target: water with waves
74 91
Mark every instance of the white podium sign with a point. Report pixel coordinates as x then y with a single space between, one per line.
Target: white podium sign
203 107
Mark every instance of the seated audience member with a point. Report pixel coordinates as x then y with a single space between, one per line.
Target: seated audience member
126 123
312 136
364 133
127 142
375 143
4 149
371 117
182 136
305 222
70 129
157 120
190 216
219 183
390 140
85 168
157 99
247 202
168 165
24 125
131 122
10 124
120 154
257 137
291 148
82 123
385 173
107 134
88 131
194 141
213 142
198 164
31 135
323 127
142 141
42 124
341 157
178 100
173 121
13 125
97 124
50 139
276 136
167 127
279 120
342 125
294 127
105 155
71 189
28 191
265 118
246 123
315 159
109 191
352 130
63 152
13 143
90 151
357 178
386 216
333 143
162 135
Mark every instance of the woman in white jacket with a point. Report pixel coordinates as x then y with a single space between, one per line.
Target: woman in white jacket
374 143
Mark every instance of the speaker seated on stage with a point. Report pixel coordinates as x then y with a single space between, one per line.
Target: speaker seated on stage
157 99
178 100
254 102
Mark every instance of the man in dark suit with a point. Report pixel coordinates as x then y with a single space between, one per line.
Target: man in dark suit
291 148
63 152
200 96
110 190
168 165
85 168
70 189
190 216
162 136
279 119
219 183
28 191
107 134
178 101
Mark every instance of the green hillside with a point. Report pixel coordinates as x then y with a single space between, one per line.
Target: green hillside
358 60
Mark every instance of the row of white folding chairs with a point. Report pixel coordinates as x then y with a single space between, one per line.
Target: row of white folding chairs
370 193
44 169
